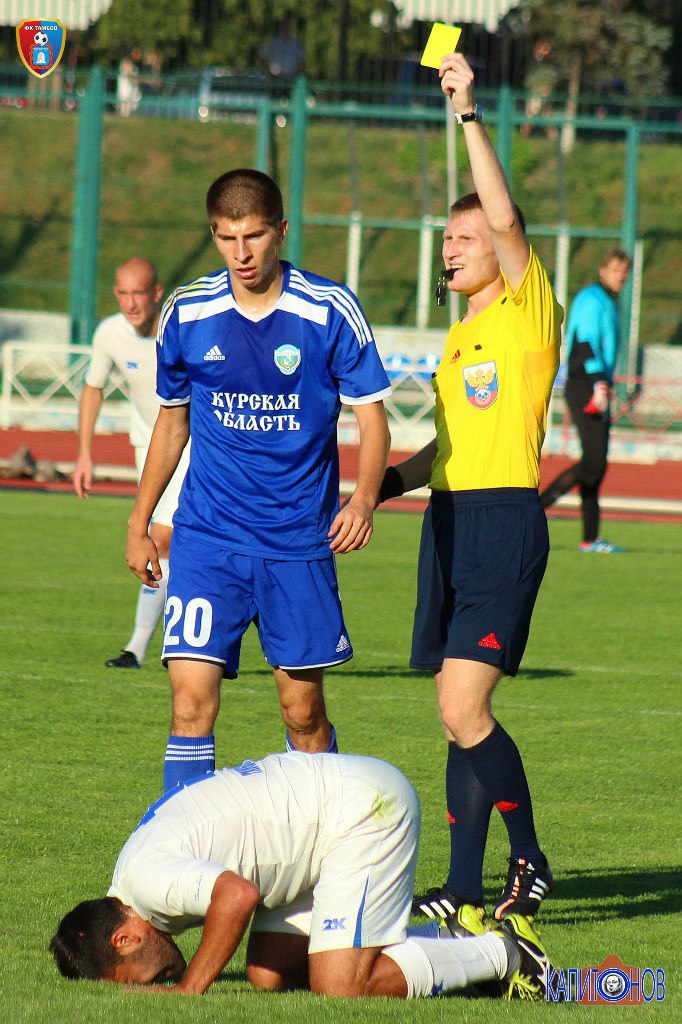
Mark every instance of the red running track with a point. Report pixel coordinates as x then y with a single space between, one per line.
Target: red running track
656 481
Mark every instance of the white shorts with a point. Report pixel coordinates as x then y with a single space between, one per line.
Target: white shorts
363 896
168 502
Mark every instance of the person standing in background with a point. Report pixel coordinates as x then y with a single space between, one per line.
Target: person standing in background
592 346
127 341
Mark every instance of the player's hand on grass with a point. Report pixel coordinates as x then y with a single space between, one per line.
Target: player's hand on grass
82 477
352 527
143 558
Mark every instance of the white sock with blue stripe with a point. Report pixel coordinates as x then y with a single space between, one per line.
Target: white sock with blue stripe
432 966
333 747
150 605
186 758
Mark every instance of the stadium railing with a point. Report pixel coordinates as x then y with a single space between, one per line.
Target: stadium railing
42 382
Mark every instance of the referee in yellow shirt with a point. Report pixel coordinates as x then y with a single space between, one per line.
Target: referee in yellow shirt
484 543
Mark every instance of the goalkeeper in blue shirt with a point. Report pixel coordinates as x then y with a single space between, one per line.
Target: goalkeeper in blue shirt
592 343
254 361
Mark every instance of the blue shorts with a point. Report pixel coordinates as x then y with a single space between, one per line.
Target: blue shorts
482 558
214 595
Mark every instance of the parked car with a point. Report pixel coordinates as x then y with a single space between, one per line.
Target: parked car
213 94
173 96
13 86
229 94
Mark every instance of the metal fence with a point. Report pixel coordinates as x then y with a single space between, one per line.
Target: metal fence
41 385
379 233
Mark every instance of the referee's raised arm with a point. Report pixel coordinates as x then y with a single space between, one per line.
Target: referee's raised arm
490 183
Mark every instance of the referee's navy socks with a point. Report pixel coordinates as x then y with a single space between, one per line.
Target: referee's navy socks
186 758
333 747
469 808
497 765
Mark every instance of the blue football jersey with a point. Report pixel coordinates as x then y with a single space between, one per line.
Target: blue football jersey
265 394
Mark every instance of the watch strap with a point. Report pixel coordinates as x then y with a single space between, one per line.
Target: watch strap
473 115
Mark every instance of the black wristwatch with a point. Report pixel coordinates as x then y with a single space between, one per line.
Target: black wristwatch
473 115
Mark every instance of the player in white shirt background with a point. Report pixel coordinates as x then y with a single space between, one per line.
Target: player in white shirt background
256 359
318 853
127 341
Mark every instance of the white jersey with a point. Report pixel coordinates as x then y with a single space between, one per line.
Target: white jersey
269 821
115 343
330 840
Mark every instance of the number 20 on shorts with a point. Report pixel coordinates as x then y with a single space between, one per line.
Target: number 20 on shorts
196 619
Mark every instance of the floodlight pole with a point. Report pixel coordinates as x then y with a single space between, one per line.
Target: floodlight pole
264 134
85 226
452 186
299 127
451 143
628 236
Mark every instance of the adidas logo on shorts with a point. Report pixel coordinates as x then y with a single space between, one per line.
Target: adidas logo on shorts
214 355
342 645
490 641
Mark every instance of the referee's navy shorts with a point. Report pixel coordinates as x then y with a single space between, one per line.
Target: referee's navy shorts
482 558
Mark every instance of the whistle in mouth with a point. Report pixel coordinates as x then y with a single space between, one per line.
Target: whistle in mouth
441 288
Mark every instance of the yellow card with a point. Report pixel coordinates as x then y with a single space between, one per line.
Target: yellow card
442 39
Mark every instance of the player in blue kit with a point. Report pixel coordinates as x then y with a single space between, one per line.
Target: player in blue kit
255 361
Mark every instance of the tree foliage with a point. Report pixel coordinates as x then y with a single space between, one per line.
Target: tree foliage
630 41
231 33
167 27
625 41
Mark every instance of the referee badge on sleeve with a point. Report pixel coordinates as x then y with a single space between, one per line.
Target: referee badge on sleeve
481 384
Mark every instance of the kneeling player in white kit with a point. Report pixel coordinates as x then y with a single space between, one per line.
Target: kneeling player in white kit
319 852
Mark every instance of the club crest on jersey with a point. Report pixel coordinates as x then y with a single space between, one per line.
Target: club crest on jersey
287 359
481 384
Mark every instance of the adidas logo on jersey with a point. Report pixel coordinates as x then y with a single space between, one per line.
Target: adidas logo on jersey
342 645
213 355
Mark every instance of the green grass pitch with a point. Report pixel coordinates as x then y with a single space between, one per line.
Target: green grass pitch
595 711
